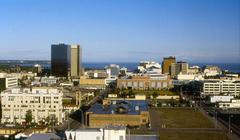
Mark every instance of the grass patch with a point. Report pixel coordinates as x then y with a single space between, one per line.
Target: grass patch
192 136
179 118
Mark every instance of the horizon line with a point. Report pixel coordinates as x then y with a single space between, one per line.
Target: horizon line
120 61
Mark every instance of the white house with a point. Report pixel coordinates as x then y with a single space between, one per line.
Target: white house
151 66
108 133
215 99
235 103
212 71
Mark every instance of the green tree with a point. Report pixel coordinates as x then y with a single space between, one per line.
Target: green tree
131 93
28 117
154 95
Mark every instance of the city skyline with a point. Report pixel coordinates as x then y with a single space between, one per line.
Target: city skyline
123 31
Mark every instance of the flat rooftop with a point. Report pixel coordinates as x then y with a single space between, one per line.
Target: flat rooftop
142 137
130 107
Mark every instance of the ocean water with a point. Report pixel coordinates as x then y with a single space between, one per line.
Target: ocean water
233 67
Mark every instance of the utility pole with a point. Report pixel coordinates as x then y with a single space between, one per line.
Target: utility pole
229 124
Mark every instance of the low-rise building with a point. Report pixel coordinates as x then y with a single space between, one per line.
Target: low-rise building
95 74
45 81
44 103
149 66
112 70
212 71
107 133
233 104
216 99
92 83
144 82
8 82
51 80
118 113
46 136
194 70
189 77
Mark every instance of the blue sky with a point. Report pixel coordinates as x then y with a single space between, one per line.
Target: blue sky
122 30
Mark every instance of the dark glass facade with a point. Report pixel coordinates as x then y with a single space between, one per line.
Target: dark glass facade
60 60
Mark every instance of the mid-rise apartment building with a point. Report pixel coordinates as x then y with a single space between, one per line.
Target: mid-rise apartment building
44 103
217 87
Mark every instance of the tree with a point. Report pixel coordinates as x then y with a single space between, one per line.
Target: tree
131 93
28 117
154 95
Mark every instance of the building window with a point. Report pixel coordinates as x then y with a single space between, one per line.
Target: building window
153 84
164 84
120 137
129 84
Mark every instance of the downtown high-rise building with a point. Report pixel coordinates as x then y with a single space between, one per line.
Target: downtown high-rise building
65 60
60 60
167 61
177 68
75 65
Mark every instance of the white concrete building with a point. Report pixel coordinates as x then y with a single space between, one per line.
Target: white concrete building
194 70
43 103
45 81
235 103
156 76
8 81
49 80
215 99
11 82
149 66
216 87
112 70
212 71
108 133
190 77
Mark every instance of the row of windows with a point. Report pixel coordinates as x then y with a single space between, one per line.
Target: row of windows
27 106
140 84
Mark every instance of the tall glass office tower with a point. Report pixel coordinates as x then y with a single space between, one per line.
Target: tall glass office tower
66 60
60 60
